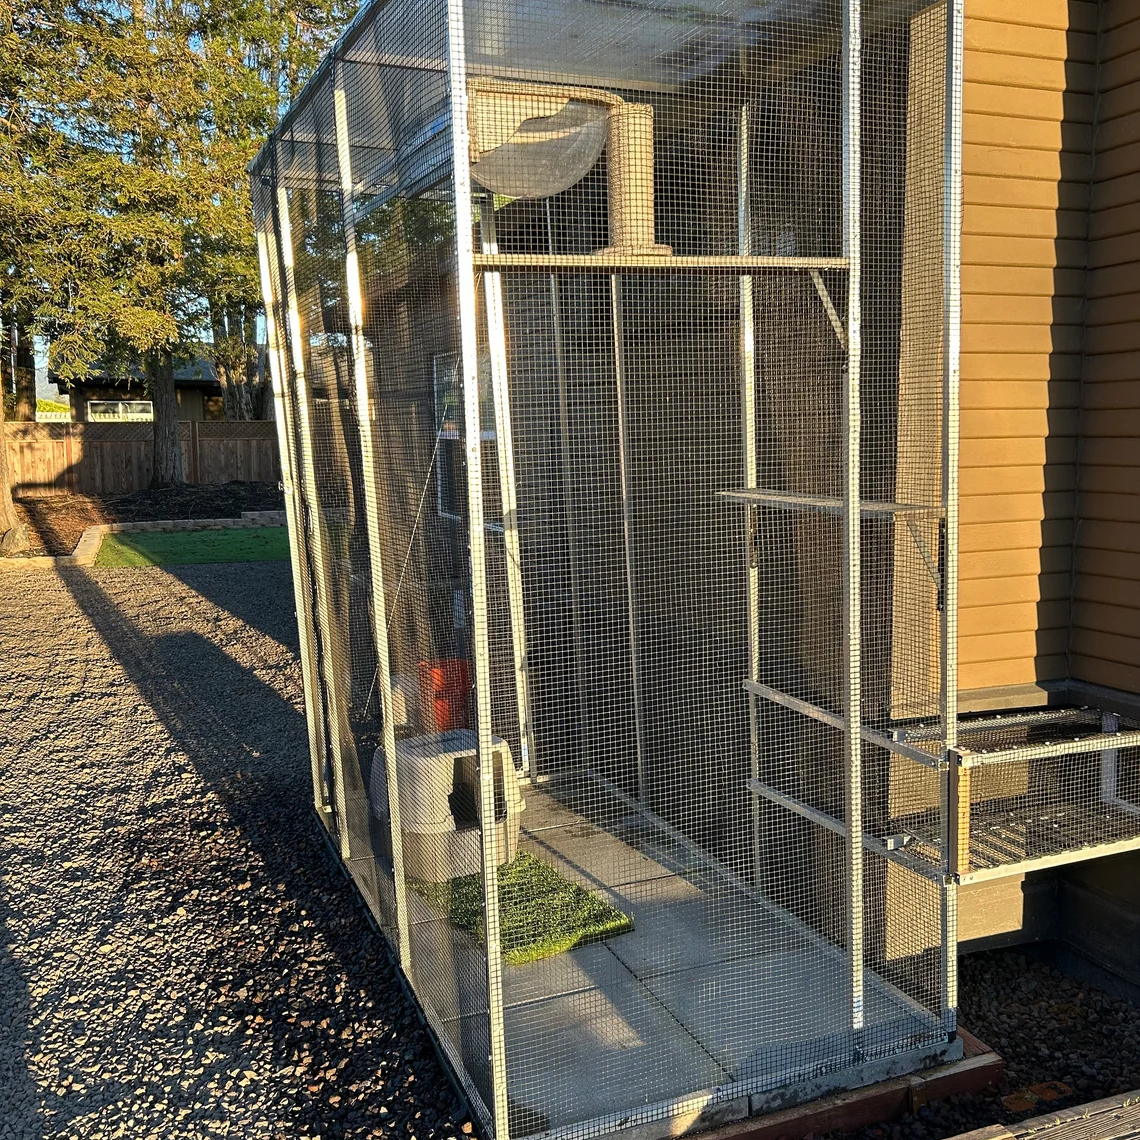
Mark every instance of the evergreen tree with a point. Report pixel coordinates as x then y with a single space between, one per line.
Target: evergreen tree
125 226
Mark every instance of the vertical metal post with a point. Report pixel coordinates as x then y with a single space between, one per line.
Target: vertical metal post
1109 761
294 517
625 462
954 809
371 479
315 523
567 484
852 515
480 638
751 468
504 437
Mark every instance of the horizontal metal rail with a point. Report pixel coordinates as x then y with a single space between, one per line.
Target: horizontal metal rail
614 262
870 842
796 704
794 501
1099 742
834 720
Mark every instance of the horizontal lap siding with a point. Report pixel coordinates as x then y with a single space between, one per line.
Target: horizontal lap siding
1030 89
1105 646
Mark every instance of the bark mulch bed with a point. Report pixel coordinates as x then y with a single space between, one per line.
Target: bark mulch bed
1065 1043
55 524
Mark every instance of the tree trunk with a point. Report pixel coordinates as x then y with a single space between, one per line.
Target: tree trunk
167 471
13 534
239 364
23 368
25 392
221 368
230 363
265 385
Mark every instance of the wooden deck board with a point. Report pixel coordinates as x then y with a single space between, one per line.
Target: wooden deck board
1115 1118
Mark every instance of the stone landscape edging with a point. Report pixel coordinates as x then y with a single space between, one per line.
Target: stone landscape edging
87 548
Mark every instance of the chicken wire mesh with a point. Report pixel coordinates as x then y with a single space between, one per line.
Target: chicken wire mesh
616 418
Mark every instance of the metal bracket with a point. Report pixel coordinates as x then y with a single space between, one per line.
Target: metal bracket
897 842
956 857
829 307
931 565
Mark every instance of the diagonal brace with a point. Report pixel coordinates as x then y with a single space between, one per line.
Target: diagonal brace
931 565
829 306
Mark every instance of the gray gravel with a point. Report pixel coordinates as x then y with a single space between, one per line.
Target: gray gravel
180 956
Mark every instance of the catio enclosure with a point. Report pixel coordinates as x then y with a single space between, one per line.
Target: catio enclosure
615 350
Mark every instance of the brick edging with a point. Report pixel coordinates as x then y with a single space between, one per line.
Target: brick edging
87 548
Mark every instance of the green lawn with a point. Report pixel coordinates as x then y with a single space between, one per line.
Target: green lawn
541 913
181 547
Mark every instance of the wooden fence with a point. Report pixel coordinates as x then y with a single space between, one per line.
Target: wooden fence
115 458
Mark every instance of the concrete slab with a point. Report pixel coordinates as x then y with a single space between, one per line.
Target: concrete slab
615 845
777 1014
449 968
592 857
543 810
588 967
709 999
599 1051
677 932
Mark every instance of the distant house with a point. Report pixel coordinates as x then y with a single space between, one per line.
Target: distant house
199 393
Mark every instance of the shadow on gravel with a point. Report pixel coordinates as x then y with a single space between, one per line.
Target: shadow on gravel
19 1097
290 956
249 606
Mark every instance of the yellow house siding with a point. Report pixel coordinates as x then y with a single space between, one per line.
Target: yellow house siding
1105 643
1029 101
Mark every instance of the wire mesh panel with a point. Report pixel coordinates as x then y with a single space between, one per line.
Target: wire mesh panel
1047 788
616 383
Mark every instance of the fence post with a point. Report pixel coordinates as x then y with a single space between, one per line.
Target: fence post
70 474
195 457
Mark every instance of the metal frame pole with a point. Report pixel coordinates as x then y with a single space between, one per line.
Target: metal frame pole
365 416
480 637
294 516
751 467
852 516
504 437
951 347
315 524
567 495
1109 761
624 464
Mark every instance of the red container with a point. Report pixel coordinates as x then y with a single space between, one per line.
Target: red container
445 690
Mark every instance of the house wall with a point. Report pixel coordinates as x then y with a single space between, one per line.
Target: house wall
190 404
1105 645
1028 112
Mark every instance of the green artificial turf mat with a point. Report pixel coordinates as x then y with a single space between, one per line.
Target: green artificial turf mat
541 913
183 547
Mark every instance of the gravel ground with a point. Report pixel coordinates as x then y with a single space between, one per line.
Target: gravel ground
179 955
